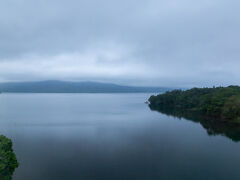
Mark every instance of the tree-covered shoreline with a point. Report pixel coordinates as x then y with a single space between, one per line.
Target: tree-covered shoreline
8 160
220 103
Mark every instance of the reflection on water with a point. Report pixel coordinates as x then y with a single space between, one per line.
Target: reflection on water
110 137
212 126
8 161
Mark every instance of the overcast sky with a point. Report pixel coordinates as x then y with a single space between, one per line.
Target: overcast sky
134 42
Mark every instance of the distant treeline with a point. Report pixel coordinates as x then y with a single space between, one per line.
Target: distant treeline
53 86
220 103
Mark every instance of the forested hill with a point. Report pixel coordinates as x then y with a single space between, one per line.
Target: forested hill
221 103
74 87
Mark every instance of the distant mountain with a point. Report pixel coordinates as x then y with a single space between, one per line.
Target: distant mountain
74 87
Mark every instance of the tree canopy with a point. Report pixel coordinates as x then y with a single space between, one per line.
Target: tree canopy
221 103
8 161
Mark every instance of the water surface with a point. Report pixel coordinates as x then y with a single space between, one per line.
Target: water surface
110 136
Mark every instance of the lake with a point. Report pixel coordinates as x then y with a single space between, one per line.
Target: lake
111 137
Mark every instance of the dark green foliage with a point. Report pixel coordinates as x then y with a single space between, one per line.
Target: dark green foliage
8 161
222 103
231 108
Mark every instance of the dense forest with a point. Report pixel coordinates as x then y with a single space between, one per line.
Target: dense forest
8 161
220 103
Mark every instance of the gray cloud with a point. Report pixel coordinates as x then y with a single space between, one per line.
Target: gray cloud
155 42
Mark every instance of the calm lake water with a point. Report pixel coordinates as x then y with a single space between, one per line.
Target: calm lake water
110 137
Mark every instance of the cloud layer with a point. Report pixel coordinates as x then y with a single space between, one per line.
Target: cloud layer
166 42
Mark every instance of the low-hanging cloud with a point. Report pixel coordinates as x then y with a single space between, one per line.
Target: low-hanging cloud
167 42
